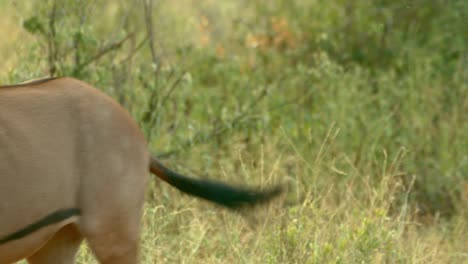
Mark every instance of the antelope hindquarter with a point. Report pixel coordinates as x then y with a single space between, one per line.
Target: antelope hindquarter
73 166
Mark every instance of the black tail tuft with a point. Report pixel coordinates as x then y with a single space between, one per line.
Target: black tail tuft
217 192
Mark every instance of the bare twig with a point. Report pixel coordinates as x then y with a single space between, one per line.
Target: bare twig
77 38
51 40
218 129
132 53
104 51
148 10
170 90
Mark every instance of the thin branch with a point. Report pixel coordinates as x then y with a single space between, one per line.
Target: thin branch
148 8
104 51
218 129
132 53
163 101
51 40
170 90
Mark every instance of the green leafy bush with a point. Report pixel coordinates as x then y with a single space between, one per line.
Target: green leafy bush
360 106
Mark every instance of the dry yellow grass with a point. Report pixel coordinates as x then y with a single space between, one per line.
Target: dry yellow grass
351 209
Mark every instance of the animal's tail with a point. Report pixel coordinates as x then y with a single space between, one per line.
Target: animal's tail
217 192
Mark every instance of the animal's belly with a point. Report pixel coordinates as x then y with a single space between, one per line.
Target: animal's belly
26 246
29 195
34 184
30 205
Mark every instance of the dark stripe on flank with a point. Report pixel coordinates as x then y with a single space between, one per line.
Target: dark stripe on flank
53 218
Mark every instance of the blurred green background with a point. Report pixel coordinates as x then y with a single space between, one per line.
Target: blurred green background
360 107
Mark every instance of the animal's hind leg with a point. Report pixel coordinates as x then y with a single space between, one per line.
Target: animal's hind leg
110 249
112 201
60 249
112 227
116 242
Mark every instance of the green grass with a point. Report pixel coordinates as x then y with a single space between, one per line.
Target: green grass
359 108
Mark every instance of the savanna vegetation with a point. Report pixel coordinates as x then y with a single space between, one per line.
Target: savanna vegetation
359 107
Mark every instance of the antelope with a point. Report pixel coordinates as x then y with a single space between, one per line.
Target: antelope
73 167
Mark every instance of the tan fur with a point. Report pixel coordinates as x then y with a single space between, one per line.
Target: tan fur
64 144
73 166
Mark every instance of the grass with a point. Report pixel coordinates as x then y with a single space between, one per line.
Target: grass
359 108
